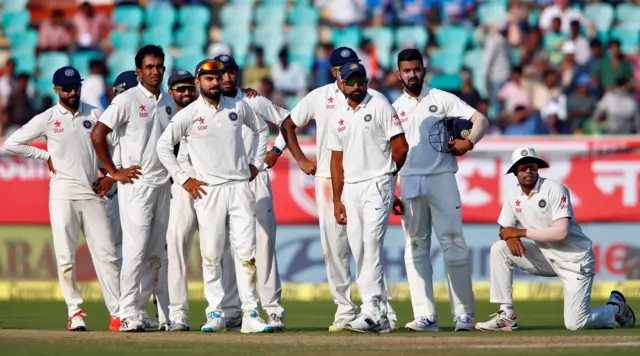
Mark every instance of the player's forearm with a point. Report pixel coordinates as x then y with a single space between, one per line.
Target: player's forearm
280 142
550 234
26 151
399 150
170 161
479 128
337 175
288 130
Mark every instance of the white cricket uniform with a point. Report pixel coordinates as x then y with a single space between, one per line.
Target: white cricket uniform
429 191
73 205
363 135
321 105
219 159
269 286
572 260
140 118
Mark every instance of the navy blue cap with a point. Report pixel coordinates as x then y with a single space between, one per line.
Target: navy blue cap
459 129
180 76
342 55
126 80
350 69
65 76
229 62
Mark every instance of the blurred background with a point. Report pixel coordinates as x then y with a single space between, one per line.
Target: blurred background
561 76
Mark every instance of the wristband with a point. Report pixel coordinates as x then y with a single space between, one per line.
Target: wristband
277 150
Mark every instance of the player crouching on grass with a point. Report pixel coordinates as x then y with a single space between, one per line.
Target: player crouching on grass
559 249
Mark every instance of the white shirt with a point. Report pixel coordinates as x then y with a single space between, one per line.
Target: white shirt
140 119
548 202
417 118
566 17
214 141
69 147
364 136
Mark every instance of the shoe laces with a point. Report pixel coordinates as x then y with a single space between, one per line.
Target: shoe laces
275 317
79 314
463 318
424 320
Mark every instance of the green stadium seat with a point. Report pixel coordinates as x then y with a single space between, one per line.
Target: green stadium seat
271 39
628 15
15 22
25 61
628 38
236 14
449 62
270 15
600 14
44 88
118 62
491 12
274 2
130 16
305 59
452 38
48 62
302 39
160 15
14 5
348 36
128 40
194 16
191 38
534 17
160 36
242 2
291 101
24 41
382 38
238 38
412 36
80 60
303 15
448 82
188 59
472 59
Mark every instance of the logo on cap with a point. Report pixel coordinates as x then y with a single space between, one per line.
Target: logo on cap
367 118
524 153
69 72
86 124
182 72
353 66
224 58
433 108
233 116
345 53
464 133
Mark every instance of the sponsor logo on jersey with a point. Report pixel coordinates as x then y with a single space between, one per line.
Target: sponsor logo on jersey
341 126
518 208
143 111
330 103
58 128
201 125
396 120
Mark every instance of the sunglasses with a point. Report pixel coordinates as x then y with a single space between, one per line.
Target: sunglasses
70 88
210 66
533 167
353 82
185 88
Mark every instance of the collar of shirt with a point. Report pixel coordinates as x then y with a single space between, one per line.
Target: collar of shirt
239 94
206 104
65 111
149 94
362 104
423 93
536 188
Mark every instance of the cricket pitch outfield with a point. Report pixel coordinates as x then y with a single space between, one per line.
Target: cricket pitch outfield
38 328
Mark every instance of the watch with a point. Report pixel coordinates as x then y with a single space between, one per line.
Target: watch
277 150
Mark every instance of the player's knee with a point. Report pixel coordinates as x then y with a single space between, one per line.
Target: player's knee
454 252
498 249
574 324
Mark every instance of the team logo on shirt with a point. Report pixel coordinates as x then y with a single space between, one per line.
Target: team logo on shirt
86 124
367 118
143 111
518 208
168 108
201 125
341 126
330 103
233 116
433 108
563 202
57 128
542 203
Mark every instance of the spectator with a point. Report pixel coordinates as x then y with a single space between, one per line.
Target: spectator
288 77
495 59
515 93
19 109
322 67
523 121
94 91
254 74
549 89
569 70
580 105
341 12
580 43
53 34
553 41
468 93
7 81
607 72
89 27
518 23
618 109
566 14
554 116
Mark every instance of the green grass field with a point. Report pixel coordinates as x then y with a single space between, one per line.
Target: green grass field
38 328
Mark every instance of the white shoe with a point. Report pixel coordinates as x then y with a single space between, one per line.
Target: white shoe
384 325
76 322
625 317
364 324
252 323
423 324
179 324
233 323
275 321
215 323
464 322
148 323
339 325
394 324
131 325
499 322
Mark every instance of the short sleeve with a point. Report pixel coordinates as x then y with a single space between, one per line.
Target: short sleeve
116 114
560 203
334 143
267 110
304 111
507 217
454 106
389 121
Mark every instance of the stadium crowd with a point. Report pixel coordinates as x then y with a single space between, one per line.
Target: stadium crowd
541 67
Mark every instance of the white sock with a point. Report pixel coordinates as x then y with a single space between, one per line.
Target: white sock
507 309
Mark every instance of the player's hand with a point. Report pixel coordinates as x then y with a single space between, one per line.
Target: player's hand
307 166
127 175
398 206
250 93
254 172
459 147
103 185
194 188
271 159
516 247
510 232
340 213
50 164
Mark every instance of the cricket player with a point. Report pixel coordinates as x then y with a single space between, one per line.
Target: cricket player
221 188
269 287
539 235
321 105
367 149
140 115
73 203
429 192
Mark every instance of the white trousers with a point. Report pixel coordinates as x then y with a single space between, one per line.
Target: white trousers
269 286
368 205
437 200
144 213
230 205
89 216
182 227
576 277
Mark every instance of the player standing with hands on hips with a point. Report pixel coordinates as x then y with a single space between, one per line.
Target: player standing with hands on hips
367 148
221 189
139 116
429 192
73 203
558 248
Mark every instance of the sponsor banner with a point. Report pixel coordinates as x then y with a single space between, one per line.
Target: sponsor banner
599 172
27 254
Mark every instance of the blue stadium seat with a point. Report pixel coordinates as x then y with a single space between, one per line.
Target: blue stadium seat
303 15
628 38
302 38
600 14
24 41
233 14
238 38
271 39
491 12
25 61
45 88
449 62
242 2
15 22
120 61
130 16
452 38
48 62
14 5
270 15
160 36
189 59
628 15
473 59
348 36
160 15
194 16
80 60
305 59
125 40
448 82
382 38
274 2
413 36
191 38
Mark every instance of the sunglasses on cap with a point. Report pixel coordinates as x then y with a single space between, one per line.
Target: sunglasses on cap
210 66
352 82
533 167
184 88
71 87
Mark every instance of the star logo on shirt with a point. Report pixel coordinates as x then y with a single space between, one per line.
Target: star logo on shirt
341 122
403 114
143 108
517 202
330 100
57 123
201 120
563 200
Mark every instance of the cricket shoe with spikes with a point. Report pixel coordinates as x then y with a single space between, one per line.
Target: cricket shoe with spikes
252 323
215 323
364 324
76 322
500 321
422 324
625 316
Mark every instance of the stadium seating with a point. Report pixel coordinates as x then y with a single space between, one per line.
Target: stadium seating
449 62
194 16
601 14
414 36
303 15
128 16
15 21
80 60
382 37
449 82
14 5
24 41
270 15
628 15
161 36
160 15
